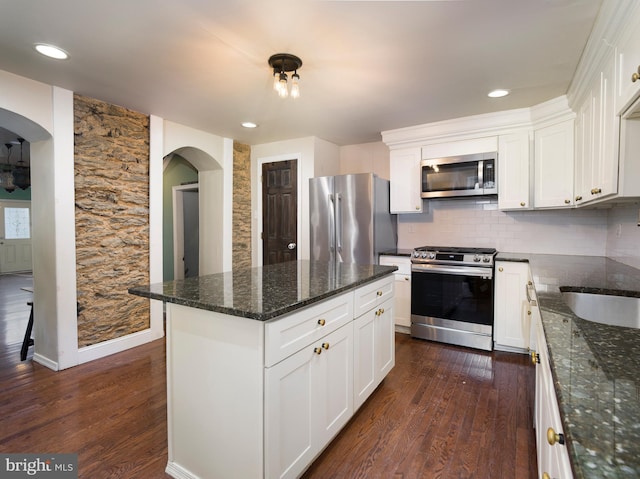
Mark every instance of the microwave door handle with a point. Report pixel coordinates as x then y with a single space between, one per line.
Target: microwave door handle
481 174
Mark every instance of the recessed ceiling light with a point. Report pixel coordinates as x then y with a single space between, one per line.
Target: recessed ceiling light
249 124
51 51
498 93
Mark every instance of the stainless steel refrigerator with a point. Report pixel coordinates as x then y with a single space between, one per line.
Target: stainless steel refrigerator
349 218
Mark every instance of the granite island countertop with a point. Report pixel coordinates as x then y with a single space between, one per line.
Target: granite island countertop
596 367
265 292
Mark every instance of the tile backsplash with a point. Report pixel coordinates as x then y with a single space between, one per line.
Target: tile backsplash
477 223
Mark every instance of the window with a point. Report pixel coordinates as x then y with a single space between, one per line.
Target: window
16 223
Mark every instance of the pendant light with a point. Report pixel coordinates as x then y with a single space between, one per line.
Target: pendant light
6 177
21 173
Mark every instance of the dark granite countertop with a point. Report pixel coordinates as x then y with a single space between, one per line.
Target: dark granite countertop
264 292
596 367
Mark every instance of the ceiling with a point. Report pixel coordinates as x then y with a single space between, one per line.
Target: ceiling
368 66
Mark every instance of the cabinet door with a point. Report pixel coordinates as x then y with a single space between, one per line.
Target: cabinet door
513 172
402 282
374 350
628 68
512 314
553 153
607 171
290 444
333 384
384 340
364 364
404 172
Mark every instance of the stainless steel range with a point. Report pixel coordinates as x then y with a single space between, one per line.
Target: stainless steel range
452 295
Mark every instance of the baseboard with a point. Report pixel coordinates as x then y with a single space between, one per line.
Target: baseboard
509 349
38 358
112 346
402 329
179 472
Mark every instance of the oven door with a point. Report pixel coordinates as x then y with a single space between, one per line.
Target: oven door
455 293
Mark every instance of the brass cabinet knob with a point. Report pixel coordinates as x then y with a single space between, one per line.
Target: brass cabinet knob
528 312
317 350
635 77
377 312
545 476
322 322
418 208
501 269
522 203
566 202
554 437
596 191
578 198
325 345
535 357
379 293
381 311
407 278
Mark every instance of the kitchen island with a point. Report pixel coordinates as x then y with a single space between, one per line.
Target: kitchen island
265 365
595 367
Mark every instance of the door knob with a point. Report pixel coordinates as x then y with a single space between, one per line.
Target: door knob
291 246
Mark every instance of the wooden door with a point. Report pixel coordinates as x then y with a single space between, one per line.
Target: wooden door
279 211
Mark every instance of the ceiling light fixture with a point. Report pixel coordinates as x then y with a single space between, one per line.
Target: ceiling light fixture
498 93
6 176
51 51
281 64
21 173
249 124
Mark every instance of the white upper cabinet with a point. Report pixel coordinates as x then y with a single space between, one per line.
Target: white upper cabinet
404 172
553 163
514 191
628 66
596 159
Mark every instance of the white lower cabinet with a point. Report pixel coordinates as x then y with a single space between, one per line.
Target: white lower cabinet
512 327
402 282
308 399
552 454
375 350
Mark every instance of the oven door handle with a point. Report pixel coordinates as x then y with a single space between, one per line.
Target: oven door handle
455 270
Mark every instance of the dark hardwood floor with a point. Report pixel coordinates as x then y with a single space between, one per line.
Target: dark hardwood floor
443 412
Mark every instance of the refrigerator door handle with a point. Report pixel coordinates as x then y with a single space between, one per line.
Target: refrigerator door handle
339 222
332 224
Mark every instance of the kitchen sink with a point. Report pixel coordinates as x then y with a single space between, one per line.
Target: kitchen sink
605 309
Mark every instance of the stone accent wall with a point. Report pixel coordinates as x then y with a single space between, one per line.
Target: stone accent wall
112 219
241 205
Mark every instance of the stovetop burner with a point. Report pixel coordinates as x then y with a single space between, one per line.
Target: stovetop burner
453 255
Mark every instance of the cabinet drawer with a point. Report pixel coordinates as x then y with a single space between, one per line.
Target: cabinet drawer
289 334
402 262
371 295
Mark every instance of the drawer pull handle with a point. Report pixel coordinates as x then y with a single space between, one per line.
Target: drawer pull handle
566 202
578 198
317 350
325 345
381 311
553 437
322 322
501 269
522 203
379 293
635 77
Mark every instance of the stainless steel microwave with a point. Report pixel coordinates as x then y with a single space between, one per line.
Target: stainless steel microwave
465 175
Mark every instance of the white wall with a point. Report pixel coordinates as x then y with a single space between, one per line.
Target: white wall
623 234
365 158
